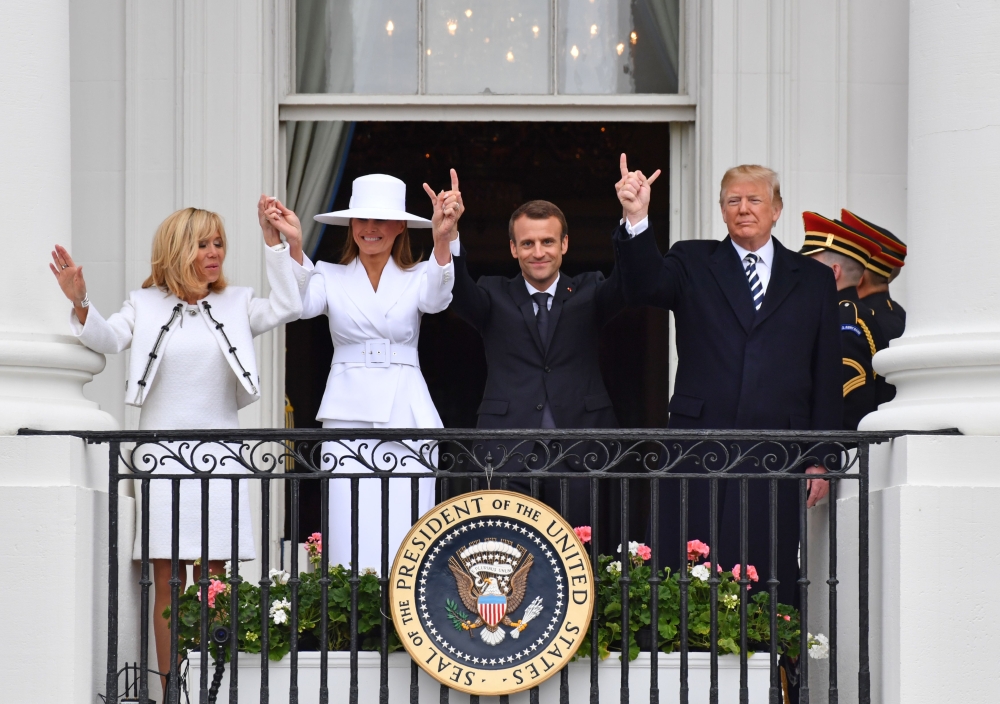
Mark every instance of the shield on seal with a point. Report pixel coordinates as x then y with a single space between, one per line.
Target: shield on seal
492 608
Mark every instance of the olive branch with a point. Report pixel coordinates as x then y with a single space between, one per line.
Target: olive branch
455 614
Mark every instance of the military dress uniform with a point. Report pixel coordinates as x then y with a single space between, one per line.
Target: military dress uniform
860 339
889 315
860 335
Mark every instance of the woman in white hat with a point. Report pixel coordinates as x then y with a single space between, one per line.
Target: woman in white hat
192 366
374 299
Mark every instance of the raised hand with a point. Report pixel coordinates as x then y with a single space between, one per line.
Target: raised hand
633 191
448 208
70 278
270 234
280 219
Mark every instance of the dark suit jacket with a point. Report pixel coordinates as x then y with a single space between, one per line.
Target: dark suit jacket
524 370
776 368
890 316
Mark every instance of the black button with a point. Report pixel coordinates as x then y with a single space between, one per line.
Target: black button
548 369
539 407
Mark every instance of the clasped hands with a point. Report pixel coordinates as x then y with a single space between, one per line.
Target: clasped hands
275 218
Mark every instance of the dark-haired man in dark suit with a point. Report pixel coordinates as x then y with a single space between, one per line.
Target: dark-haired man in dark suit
541 333
758 344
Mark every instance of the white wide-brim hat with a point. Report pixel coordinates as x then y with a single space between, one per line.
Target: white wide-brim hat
375 197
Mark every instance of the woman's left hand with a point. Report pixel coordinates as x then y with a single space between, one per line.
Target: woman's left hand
448 208
287 223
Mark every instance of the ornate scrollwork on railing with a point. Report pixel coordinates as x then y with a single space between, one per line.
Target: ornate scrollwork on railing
488 455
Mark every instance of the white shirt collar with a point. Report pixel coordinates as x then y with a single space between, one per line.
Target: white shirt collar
766 253
551 290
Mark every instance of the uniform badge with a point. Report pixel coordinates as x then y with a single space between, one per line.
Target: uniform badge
491 592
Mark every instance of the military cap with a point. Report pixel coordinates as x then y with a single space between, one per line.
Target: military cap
823 234
892 251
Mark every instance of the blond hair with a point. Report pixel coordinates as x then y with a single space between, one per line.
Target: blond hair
173 266
752 172
402 254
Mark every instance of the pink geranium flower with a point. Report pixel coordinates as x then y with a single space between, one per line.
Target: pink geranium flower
215 587
643 551
751 573
696 550
708 565
314 544
583 533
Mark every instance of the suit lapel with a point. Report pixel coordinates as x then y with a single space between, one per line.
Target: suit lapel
359 290
563 291
390 286
784 278
732 280
522 300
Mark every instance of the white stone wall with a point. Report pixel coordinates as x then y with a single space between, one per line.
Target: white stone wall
815 90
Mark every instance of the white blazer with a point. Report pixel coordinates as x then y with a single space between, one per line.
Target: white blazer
384 322
150 315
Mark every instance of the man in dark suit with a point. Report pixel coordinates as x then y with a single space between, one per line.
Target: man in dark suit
540 330
846 251
882 268
758 348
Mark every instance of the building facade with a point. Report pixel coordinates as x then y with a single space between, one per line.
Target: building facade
118 112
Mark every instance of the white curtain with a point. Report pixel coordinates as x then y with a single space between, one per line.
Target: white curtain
316 150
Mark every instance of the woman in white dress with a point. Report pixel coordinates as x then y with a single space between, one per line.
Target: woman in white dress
192 367
374 299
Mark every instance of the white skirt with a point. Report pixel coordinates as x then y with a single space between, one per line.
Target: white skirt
189 529
370 491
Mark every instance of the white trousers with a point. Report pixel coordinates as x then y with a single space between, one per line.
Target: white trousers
381 456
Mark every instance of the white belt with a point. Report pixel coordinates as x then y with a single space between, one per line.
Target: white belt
376 353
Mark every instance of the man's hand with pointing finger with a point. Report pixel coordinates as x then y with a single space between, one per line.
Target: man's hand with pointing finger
633 192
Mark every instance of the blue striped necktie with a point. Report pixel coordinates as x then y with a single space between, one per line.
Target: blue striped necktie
756 289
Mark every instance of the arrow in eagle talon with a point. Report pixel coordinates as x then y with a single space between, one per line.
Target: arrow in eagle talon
533 610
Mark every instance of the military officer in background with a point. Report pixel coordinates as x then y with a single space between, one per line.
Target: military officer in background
882 268
847 252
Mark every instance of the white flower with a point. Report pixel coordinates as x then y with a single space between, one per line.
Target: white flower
819 646
369 570
730 600
279 610
615 567
633 548
279 576
700 572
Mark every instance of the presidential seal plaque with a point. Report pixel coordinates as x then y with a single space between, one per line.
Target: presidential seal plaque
491 592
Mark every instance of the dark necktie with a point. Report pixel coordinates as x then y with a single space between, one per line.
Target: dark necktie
542 316
756 289
542 321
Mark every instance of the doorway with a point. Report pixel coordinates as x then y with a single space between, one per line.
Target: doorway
500 166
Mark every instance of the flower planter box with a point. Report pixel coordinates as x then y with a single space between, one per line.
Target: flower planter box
339 677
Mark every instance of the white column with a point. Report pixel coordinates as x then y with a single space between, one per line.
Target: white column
946 368
42 368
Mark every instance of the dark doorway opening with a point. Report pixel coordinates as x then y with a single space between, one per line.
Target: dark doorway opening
500 166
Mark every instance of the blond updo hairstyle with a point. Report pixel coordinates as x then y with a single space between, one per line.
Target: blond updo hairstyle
175 252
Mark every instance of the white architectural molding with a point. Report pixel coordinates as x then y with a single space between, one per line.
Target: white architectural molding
946 368
512 108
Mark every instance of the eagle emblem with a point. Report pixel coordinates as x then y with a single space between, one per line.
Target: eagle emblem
491 577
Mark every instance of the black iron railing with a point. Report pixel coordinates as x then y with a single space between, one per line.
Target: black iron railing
630 459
